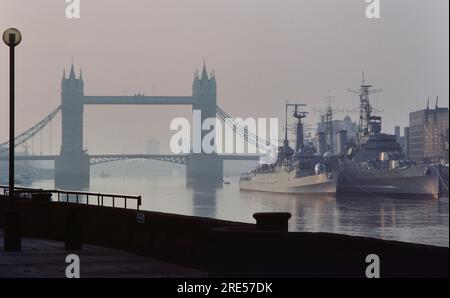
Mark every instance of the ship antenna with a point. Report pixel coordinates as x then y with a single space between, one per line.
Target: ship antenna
329 114
286 123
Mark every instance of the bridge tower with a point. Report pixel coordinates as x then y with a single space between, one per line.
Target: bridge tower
204 167
72 167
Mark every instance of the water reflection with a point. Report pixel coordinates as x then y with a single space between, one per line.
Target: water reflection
204 198
421 221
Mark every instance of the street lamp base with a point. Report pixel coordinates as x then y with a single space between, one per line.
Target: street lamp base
13 239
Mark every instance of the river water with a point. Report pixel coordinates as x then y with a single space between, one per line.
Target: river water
420 221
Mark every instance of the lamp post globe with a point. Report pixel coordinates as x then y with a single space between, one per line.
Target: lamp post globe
12 37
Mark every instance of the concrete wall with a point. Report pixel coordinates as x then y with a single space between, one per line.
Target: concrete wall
224 248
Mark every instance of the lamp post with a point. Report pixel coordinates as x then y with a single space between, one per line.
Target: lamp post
12 238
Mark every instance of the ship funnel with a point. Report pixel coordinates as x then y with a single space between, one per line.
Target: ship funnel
342 141
321 139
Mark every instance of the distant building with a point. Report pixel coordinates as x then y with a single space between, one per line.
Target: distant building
338 125
406 145
427 139
400 139
152 146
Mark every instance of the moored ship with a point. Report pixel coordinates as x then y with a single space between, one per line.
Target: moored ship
371 164
299 171
376 165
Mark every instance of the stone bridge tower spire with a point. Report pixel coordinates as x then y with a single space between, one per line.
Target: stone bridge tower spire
203 166
204 92
72 167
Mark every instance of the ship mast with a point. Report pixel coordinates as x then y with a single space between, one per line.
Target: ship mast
329 124
365 108
299 129
299 140
328 112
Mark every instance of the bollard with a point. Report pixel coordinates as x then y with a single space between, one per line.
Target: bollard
73 238
41 197
272 221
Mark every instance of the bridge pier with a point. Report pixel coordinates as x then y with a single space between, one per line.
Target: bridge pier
204 168
72 171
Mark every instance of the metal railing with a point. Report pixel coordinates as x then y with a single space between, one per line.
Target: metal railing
78 197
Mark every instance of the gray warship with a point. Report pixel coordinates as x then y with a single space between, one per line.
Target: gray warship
375 163
372 164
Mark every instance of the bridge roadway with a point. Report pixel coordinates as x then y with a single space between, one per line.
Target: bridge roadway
104 158
138 100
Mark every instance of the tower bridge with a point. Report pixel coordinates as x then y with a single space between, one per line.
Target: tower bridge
72 165
96 159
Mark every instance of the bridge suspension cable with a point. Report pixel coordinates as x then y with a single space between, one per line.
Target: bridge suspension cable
245 133
27 135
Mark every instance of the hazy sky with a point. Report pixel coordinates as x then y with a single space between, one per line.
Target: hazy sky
263 52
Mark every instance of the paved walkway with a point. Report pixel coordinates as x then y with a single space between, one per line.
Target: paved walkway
46 259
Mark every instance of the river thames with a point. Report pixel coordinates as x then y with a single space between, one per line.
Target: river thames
423 221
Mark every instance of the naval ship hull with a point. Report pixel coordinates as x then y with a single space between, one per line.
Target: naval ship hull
409 183
284 182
